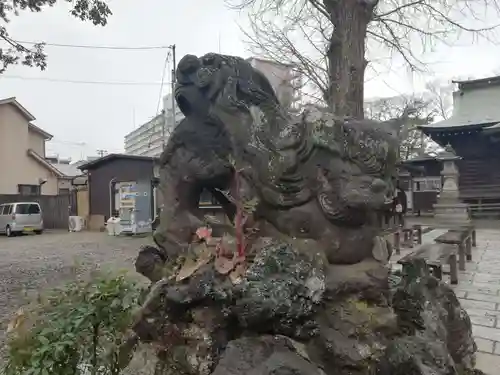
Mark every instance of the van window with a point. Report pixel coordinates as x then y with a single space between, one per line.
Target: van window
8 209
34 209
22 208
1 210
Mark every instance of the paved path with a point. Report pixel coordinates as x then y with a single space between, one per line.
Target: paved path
479 293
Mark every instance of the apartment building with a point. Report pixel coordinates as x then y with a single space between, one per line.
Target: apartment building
147 140
284 79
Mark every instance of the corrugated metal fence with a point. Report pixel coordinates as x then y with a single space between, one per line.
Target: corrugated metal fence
56 209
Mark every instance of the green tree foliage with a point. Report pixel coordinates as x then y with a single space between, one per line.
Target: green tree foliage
76 329
14 52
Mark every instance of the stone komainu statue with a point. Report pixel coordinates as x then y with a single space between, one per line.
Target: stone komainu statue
312 295
313 175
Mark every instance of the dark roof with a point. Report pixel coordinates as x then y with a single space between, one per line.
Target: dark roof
477 83
453 124
419 159
111 157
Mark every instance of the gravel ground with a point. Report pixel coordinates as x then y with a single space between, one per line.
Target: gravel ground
32 263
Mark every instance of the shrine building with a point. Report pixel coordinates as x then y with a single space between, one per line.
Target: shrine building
473 131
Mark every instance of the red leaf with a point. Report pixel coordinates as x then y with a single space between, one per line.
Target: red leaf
204 233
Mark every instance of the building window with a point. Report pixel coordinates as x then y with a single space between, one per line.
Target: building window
29 189
206 199
427 184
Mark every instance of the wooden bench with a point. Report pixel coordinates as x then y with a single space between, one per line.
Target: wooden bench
464 238
410 235
470 232
435 256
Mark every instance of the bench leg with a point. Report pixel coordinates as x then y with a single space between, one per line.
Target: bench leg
453 269
406 268
468 248
474 244
437 272
419 235
397 242
461 256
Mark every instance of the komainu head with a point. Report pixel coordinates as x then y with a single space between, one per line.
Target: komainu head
220 83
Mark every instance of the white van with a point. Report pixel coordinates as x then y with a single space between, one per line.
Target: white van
20 217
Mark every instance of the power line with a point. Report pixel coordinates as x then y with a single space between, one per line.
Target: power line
162 81
167 57
82 81
138 48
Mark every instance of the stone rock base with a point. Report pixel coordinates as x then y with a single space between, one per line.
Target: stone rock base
293 313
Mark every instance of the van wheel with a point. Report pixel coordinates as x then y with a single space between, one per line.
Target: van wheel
8 231
38 231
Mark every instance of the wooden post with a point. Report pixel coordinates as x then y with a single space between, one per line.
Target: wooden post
461 255
453 269
468 248
474 244
419 234
437 272
410 237
397 241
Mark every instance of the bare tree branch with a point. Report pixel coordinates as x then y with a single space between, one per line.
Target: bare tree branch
276 41
410 112
287 31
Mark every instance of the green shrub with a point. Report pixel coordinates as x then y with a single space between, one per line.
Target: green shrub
76 329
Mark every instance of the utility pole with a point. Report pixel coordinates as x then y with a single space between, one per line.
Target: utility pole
164 115
173 84
101 153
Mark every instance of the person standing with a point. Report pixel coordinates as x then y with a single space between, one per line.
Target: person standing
400 204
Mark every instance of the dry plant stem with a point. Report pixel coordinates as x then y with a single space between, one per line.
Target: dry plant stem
239 216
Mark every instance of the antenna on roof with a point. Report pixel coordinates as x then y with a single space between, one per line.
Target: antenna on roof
102 153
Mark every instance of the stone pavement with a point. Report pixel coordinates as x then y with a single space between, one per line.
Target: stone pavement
479 293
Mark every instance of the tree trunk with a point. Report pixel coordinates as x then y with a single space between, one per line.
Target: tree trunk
346 55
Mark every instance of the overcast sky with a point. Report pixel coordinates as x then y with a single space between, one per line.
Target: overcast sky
99 115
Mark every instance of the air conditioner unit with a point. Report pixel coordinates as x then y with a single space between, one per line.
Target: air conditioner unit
76 223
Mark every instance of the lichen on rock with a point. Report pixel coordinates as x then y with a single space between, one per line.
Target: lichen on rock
293 312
